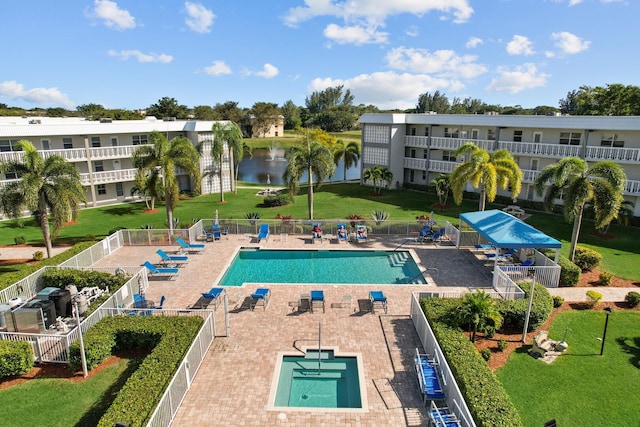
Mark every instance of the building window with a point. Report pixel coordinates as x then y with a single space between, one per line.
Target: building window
114 141
612 141
475 133
139 139
413 131
537 137
375 156
449 156
413 153
8 145
570 138
424 175
11 175
98 166
119 189
102 189
451 132
67 143
425 153
517 136
491 134
46 144
95 141
412 175
426 131
376 134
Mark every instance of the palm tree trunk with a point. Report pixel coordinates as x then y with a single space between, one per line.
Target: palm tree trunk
344 178
169 213
44 224
483 199
310 193
221 188
577 223
235 180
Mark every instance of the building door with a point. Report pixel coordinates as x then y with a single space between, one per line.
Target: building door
46 144
534 164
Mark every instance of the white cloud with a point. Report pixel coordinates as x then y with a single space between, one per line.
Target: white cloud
473 42
113 16
445 62
124 55
412 31
217 68
520 45
357 35
268 72
517 79
569 44
388 89
40 96
200 18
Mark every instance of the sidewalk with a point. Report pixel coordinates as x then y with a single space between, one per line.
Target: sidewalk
580 294
26 252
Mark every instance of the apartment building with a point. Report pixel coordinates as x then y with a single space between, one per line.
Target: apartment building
418 147
101 151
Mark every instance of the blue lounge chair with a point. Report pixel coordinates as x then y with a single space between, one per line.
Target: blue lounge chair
214 296
442 416
316 235
160 271
361 233
424 234
317 297
264 232
377 298
342 233
190 247
428 378
159 306
172 260
260 295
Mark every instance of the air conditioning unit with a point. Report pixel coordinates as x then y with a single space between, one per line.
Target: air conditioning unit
106 120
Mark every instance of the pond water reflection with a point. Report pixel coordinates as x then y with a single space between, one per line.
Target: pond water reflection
268 164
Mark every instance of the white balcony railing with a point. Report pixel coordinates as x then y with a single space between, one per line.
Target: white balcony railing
416 141
108 177
117 152
5 182
632 188
540 150
414 163
616 154
78 154
441 166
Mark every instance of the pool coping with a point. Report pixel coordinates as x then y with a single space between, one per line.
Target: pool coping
336 352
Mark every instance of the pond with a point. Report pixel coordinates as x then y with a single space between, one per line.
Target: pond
268 164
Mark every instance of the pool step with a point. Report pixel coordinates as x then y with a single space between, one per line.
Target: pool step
398 259
324 354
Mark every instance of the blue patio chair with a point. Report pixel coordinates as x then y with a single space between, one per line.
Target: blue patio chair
172 260
261 295
214 296
361 233
168 272
159 306
316 234
424 234
342 233
317 297
263 233
190 247
377 298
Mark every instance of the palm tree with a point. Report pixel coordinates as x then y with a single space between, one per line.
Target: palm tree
486 171
379 175
149 186
230 134
316 160
601 184
442 187
48 186
160 158
478 309
350 152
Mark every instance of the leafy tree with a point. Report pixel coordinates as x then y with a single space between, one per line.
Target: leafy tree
48 186
378 175
313 158
291 115
335 119
478 310
545 110
330 97
163 156
204 112
57 112
569 104
442 186
437 102
228 111
91 111
487 172
265 115
349 152
168 107
601 184
330 109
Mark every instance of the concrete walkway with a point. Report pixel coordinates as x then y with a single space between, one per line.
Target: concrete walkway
26 252
580 294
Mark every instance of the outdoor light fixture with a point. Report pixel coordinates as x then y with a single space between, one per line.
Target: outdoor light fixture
608 311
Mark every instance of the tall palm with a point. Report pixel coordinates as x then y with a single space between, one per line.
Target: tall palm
162 156
487 172
48 186
478 310
230 134
601 184
378 175
316 160
350 152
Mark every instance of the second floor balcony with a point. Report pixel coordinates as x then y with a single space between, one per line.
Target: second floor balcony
79 154
108 177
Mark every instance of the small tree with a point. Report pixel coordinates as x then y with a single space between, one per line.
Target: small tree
379 176
442 187
478 310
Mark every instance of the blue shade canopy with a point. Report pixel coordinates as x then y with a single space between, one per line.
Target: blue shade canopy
506 231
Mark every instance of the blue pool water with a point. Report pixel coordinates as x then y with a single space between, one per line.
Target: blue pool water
335 385
322 267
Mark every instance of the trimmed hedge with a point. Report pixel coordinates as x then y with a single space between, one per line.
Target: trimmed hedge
60 278
587 259
167 338
16 358
515 312
487 400
569 272
9 278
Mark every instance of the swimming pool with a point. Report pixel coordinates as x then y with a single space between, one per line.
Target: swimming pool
253 265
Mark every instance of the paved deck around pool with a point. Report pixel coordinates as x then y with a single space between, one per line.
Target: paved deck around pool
233 384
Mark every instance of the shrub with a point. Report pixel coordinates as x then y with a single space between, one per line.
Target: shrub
514 312
557 301
16 358
569 273
502 344
60 278
605 278
19 240
632 298
273 201
586 259
593 297
486 354
253 217
38 256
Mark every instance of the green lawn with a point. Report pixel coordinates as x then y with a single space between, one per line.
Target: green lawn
332 201
581 388
59 402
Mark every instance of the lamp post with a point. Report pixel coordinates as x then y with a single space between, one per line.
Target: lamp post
83 357
532 274
608 311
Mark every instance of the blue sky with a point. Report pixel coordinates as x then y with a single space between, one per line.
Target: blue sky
130 53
